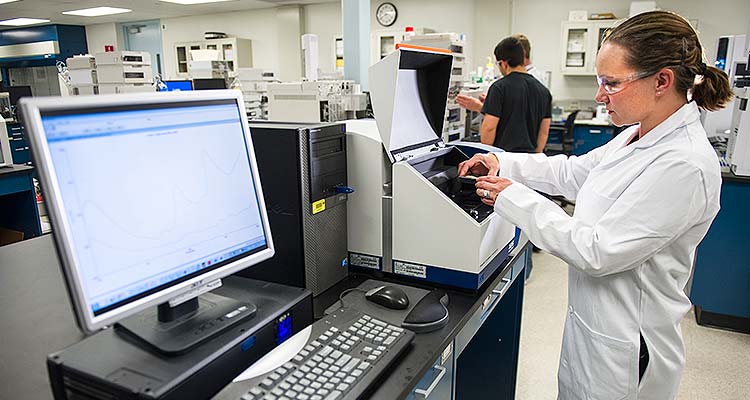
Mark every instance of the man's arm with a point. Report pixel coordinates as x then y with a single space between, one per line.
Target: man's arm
541 139
489 129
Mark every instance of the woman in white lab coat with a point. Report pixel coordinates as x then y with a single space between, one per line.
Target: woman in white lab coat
644 201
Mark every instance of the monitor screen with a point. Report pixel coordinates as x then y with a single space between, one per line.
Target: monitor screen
148 197
177 86
16 92
209 84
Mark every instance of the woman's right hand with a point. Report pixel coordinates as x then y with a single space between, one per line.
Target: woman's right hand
480 165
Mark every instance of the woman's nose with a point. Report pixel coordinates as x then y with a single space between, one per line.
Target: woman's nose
601 95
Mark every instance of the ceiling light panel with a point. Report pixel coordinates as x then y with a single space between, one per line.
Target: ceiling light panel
23 21
7 1
97 11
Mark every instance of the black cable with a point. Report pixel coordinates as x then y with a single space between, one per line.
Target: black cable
347 291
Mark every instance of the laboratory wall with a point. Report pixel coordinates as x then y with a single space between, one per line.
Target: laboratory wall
484 22
260 26
99 35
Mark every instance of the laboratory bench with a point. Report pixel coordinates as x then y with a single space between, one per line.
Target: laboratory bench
474 356
720 289
18 201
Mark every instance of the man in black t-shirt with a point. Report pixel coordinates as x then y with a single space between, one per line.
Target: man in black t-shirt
518 108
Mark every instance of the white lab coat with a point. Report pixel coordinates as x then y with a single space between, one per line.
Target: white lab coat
641 211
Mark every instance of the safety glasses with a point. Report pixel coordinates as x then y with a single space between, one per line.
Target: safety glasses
616 85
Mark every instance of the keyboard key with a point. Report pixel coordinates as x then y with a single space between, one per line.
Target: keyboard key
378 322
325 351
274 377
278 392
305 368
298 374
316 385
324 365
381 348
342 387
291 394
336 354
335 380
350 379
322 379
336 343
366 317
309 347
298 388
266 383
304 353
357 373
269 397
316 397
340 375
333 395
346 347
334 329
389 341
329 360
323 337
323 392
305 382
315 343
247 396
281 371
356 338
328 374
309 391
363 366
377 352
317 371
303 396
289 366
317 359
350 366
298 359
329 386
350 343
367 349
292 380
371 358
256 392
285 386
343 360
335 368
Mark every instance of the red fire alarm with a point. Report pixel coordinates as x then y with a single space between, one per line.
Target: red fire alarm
109 48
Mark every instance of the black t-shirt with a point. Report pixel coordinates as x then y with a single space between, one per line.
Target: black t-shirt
521 102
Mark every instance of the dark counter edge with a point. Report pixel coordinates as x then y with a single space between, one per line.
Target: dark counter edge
327 298
728 176
15 168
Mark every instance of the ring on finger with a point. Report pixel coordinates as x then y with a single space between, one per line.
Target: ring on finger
486 193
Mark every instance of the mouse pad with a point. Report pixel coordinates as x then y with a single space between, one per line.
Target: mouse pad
356 299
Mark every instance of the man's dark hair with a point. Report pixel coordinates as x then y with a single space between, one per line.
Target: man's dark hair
510 50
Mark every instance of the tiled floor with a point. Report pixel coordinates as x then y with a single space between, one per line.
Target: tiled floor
718 362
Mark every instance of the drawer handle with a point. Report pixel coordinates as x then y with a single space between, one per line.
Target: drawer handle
595 131
427 392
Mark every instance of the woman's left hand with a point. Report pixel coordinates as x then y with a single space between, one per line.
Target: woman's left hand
489 187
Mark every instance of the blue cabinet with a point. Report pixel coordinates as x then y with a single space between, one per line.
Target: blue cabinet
487 358
721 280
589 137
18 144
437 383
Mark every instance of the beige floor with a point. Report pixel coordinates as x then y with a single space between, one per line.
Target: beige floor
718 362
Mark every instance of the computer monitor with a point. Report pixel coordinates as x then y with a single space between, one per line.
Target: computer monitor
177 86
17 92
209 84
153 198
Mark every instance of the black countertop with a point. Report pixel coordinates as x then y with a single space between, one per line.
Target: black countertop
14 169
38 320
427 346
728 176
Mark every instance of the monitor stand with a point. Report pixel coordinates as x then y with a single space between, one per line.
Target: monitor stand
176 330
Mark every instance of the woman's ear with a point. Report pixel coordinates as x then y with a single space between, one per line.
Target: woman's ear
665 79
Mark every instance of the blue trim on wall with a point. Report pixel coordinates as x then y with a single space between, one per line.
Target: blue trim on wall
71 40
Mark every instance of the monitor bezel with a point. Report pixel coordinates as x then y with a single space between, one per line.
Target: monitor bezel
32 109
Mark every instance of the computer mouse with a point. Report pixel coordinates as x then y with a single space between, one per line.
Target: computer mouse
388 296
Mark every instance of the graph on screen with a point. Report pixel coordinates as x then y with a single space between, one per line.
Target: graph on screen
152 199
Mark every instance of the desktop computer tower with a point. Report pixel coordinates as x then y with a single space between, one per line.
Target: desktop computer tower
303 173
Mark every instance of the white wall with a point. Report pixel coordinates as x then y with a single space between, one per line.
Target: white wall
324 20
257 25
484 22
99 35
543 30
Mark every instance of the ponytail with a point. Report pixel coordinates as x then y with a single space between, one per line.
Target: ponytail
712 92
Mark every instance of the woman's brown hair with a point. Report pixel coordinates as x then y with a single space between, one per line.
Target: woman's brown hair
663 39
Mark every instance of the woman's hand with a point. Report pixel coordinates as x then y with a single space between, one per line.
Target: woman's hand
480 165
489 187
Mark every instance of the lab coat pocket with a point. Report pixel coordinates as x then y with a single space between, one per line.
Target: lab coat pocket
595 366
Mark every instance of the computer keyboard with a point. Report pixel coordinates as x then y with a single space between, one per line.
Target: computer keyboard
346 354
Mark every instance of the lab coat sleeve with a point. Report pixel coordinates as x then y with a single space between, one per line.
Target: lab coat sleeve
556 175
659 206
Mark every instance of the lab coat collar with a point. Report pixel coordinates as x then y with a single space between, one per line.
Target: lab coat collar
684 116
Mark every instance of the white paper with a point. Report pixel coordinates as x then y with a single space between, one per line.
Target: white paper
204 55
276 357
